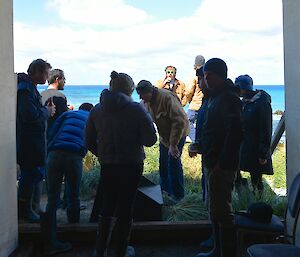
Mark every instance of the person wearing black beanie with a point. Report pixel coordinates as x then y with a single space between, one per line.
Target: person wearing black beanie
220 138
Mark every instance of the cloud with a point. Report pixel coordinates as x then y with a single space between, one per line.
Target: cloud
113 13
88 54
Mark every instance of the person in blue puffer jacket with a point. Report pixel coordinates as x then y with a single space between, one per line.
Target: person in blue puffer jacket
66 149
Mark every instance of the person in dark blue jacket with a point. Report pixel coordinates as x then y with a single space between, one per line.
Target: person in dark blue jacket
66 148
31 140
255 152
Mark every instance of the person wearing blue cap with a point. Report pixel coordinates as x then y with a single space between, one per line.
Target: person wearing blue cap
255 153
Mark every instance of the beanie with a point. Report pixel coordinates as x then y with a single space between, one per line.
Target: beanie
144 86
121 82
217 66
199 61
244 82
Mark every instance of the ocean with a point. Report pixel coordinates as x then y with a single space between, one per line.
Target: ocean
77 95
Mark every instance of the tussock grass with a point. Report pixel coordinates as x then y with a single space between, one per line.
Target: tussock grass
191 207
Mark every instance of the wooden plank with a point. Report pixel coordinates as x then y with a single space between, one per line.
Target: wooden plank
141 231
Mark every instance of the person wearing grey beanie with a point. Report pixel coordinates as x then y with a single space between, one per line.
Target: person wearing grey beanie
194 97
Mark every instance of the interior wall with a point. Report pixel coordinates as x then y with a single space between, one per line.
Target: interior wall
291 35
8 192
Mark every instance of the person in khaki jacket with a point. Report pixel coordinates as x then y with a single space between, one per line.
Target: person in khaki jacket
194 96
173 127
173 84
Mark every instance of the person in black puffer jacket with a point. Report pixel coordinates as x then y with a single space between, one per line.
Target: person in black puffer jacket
116 131
255 153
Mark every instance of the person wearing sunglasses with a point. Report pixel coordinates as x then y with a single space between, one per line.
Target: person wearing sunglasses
173 84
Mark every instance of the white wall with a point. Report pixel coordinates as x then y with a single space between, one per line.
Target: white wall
8 193
291 34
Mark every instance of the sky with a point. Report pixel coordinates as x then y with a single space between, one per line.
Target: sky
88 39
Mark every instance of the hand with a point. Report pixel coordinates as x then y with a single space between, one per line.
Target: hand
262 161
192 154
71 107
51 109
167 80
173 151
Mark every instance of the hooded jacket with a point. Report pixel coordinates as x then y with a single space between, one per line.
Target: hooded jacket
170 118
221 132
257 133
31 124
67 132
118 128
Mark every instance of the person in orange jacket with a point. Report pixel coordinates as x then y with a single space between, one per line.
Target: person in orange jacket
173 84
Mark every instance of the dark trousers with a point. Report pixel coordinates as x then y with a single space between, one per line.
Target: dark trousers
29 178
119 183
64 163
171 172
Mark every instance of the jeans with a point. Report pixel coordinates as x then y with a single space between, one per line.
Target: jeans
119 183
171 172
192 116
29 178
64 163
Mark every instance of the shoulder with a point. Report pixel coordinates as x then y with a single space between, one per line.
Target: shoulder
26 86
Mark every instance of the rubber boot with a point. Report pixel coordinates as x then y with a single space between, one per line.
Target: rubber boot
36 199
48 230
228 241
207 245
215 251
25 211
122 248
105 228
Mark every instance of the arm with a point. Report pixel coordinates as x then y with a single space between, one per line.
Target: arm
177 118
91 135
265 129
190 90
160 84
183 96
28 110
147 130
231 116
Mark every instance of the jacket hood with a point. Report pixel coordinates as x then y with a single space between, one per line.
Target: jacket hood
23 77
261 95
114 101
232 86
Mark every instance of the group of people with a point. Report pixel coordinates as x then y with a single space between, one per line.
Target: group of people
52 139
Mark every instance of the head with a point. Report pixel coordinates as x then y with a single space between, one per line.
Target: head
201 81
199 62
86 107
215 73
121 82
170 72
57 79
145 90
38 71
245 83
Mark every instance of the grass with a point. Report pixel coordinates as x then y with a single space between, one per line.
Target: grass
191 207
